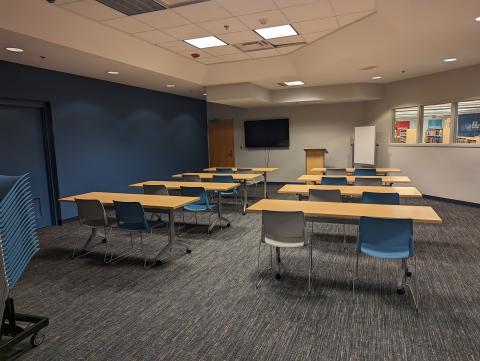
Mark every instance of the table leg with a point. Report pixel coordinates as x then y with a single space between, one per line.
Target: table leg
265 195
172 241
219 214
245 197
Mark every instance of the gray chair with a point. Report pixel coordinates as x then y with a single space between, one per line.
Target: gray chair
249 171
191 178
158 190
91 213
283 230
336 171
368 182
328 195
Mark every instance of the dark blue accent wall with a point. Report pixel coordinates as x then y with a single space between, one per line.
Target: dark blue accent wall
109 135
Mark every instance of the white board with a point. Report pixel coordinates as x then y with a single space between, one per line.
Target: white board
364 145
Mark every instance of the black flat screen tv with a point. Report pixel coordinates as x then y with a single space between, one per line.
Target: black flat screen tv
271 133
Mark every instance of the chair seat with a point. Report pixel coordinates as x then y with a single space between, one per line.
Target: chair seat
275 243
198 207
100 222
229 193
374 251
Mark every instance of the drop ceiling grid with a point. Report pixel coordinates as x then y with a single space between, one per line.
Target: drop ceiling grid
184 22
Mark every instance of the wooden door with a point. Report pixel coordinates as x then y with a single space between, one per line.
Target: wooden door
221 143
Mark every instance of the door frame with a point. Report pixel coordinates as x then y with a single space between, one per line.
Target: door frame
48 148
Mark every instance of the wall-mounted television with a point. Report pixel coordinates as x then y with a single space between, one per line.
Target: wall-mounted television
271 133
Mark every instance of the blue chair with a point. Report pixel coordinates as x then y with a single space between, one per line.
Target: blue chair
386 239
202 205
380 198
131 218
365 171
226 179
224 170
334 181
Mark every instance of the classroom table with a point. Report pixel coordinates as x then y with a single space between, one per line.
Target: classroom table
352 191
262 170
242 177
380 171
387 179
208 186
167 203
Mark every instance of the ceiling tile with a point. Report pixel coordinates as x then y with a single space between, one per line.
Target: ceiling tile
128 25
242 7
273 18
289 49
315 36
187 32
289 3
162 19
93 10
61 2
286 40
178 46
218 26
350 18
342 7
209 60
316 10
240 37
204 11
263 53
313 26
155 37
234 57
222 50
202 53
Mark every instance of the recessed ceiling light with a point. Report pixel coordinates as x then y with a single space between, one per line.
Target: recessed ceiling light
276 32
449 60
111 72
204 94
206 42
15 50
376 77
170 85
293 83
477 19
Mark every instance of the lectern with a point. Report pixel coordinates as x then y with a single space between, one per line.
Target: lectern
314 158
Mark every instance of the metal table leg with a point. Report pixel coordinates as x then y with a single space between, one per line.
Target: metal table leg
265 195
245 197
172 241
219 214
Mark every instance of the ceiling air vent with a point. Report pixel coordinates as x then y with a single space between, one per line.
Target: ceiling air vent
254 46
133 7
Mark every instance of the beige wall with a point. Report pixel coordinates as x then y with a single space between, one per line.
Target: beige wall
442 171
330 126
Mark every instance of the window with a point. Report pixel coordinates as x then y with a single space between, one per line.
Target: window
405 125
437 123
468 122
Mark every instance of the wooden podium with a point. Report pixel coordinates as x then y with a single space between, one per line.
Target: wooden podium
314 158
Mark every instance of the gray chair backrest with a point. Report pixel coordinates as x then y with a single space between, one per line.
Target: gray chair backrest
325 195
191 178
245 170
159 190
91 212
284 227
339 171
368 181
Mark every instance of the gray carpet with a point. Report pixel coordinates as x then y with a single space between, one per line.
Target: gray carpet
204 306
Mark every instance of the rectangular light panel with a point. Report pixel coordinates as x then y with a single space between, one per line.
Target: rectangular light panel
276 32
206 42
293 83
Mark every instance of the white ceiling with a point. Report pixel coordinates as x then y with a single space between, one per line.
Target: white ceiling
400 39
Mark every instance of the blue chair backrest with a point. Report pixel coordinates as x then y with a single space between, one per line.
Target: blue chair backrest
365 171
380 198
334 181
195 192
224 170
130 215
386 235
222 179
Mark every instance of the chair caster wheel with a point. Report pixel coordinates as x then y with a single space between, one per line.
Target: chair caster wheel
104 240
83 252
228 224
278 276
37 339
189 250
408 273
400 291
244 213
158 262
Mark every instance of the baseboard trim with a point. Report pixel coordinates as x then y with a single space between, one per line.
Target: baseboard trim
454 201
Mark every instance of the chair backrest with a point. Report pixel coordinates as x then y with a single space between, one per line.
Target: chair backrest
336 171
325 195
380 198
224 170
284 227
191 178
334 181
91 212
368 181
386 235
245 170
222 179
365 171
195 192
159 190
130 215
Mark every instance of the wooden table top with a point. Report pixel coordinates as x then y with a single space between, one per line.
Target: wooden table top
351 170
209 186
254 169
148 201
355 191
421 214
236 176
351 178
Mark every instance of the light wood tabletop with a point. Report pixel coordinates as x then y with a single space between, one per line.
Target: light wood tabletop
351 170
351 178
421 214
148 201
354 191
236 176
254 169
209 186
